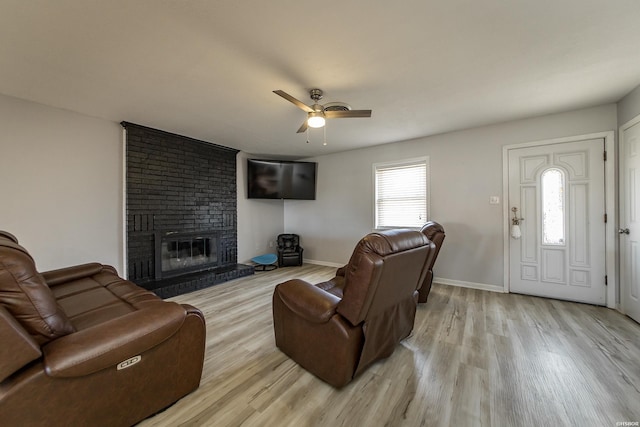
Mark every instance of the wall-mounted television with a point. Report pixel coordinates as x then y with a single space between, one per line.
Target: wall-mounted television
281 179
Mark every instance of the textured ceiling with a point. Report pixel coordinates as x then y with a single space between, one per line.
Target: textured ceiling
207 69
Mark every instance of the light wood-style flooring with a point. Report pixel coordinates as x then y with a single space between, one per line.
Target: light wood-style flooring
474 358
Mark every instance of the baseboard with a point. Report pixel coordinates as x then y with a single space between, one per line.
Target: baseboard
325 263
443 281
472 285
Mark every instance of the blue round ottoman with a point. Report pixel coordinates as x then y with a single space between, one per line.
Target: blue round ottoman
266 261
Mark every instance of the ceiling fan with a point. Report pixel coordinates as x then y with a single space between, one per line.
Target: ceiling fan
318 113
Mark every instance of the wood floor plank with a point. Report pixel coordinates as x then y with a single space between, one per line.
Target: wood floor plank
474 358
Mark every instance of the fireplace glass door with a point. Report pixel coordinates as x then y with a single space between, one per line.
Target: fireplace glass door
182 253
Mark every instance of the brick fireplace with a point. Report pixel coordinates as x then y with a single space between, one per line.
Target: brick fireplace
181 212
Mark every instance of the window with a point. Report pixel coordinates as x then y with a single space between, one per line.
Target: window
553 207
401 193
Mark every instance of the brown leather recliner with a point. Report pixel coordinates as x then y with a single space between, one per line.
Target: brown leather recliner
435 233
337 329
81 346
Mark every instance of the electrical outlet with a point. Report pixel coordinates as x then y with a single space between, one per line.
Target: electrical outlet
494 200
270 243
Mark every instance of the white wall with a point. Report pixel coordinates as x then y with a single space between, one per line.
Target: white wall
466 169
61 181
61 184
259 221
629 106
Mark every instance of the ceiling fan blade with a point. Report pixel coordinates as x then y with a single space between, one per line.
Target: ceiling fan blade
303 128
293 100
347 114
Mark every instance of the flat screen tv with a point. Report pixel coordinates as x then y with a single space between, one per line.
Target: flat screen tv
281 179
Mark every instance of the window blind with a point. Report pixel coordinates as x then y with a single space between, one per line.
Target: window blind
401 195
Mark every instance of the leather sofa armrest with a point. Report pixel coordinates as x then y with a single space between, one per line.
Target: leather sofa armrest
191 310
17 347
307 301
107 344
63 275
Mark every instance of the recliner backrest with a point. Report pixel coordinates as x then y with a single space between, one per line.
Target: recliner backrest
8 236
290 241
26 296
385 268
435 233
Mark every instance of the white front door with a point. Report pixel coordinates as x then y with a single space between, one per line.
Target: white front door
630 220
559 191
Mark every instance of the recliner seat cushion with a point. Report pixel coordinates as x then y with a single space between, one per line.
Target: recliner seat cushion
25 294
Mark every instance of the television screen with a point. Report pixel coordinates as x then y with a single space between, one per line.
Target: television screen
279 179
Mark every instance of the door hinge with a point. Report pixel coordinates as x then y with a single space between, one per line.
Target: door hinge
606 281
605 156
605 218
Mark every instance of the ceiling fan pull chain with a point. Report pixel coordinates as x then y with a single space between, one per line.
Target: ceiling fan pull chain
324 128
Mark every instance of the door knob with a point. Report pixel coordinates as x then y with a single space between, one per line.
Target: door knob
515 220
623 231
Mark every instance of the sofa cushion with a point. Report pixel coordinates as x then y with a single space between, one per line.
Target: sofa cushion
92 300
334 286
26 296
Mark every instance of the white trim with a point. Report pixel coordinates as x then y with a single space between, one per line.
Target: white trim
325 263
611 264
125 267
621 199
470 285
611 230
630 123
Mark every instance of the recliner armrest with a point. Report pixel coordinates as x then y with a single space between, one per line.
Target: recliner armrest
307 301
107 344
17 347
63 275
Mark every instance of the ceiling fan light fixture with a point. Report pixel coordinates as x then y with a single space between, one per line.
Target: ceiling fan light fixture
317 113
315 120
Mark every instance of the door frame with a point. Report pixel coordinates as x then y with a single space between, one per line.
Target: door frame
622 199
610 188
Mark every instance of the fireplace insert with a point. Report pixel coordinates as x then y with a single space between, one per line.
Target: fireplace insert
179 253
